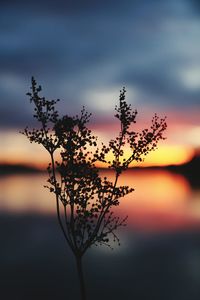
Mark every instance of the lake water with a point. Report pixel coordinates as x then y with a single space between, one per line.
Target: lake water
162 200
159 256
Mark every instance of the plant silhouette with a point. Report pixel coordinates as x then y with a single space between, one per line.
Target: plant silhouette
84 200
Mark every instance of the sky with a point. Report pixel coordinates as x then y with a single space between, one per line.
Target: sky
84 52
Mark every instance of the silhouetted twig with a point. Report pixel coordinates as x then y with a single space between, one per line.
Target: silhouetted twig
84 200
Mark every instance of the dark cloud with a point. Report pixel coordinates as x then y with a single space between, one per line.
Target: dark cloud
63 7
160 82
74 46
196 5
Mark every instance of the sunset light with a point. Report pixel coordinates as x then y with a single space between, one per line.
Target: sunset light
33 155
169 155
107 96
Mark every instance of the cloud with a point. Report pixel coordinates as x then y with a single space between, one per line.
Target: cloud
76 48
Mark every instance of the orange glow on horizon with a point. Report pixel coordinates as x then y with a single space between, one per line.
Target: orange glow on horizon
163 156
16 149
169 155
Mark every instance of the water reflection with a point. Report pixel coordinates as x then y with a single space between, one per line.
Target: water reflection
161 200
25 193
155 266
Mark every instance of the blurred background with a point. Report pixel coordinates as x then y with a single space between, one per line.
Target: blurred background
83 53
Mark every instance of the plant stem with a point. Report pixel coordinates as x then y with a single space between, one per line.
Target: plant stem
57 203
81 277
